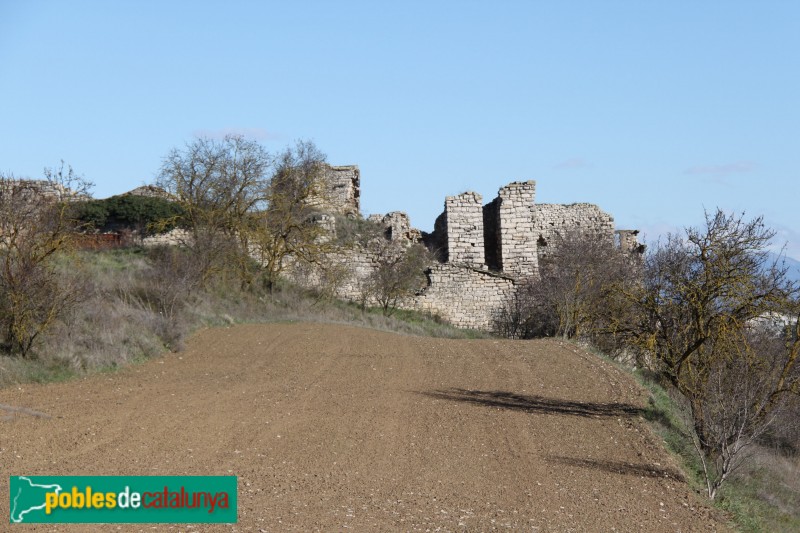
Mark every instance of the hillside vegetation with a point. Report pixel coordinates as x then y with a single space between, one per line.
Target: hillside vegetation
137 303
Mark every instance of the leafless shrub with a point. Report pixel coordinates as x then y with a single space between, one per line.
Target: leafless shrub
523 316
575 295
36 226
332 274
399 273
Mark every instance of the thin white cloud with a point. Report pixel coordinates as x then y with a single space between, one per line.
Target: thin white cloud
725 169
573 163
259 134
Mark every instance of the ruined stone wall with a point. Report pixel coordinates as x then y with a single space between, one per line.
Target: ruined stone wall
34 190
175 237
482 250
464 222
347 270
341 191
463 296
628 241
344 273
398 228
552 221
516 238
149 191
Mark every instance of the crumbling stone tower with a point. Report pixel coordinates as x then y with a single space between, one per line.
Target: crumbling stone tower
499 235
627 240
341 191
516 241
463 217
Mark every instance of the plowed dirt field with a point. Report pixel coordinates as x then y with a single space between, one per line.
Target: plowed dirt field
335 428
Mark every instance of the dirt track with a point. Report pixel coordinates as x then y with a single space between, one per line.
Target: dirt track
338 428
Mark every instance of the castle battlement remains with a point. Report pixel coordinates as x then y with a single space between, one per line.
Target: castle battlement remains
483 251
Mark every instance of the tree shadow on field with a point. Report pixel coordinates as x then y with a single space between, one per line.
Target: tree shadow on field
618 467
535 404
12 410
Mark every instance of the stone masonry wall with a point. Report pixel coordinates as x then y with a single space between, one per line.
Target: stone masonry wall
628 241
175 237
34 190
348 269
516 239
343 271
552 221
464 219
510 235
398 227
342 192
465 297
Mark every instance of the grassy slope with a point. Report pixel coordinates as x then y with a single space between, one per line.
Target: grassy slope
763 496
119 323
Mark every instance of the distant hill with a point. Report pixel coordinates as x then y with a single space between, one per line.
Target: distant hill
794 267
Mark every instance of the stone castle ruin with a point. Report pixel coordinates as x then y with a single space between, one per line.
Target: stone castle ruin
482 251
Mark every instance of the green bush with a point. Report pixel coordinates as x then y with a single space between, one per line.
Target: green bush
93 213
144 214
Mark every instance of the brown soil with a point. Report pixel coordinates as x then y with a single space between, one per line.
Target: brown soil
339 428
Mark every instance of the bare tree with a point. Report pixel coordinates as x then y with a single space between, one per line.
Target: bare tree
521 316
37 225
221 186
289 229
247 208
700 297
575 294
739 402
399 273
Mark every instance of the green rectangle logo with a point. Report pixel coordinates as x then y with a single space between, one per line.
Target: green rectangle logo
122 499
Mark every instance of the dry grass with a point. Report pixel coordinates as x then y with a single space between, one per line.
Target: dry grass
141 303
765 494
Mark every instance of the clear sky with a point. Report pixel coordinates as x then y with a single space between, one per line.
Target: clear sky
653 110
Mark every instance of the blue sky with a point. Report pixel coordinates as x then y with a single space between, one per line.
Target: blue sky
653 110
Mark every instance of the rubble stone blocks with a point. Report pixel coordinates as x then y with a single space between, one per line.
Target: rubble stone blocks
32 190
174 237
149 191
464 222
398 228
516 240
